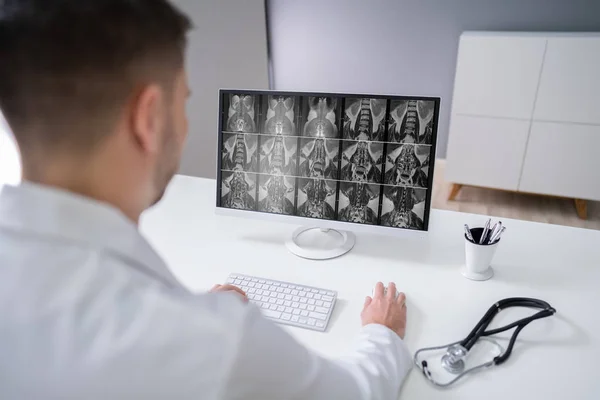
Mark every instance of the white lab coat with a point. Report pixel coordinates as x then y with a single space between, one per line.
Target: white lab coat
89 311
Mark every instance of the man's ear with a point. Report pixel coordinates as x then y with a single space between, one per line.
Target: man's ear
148 118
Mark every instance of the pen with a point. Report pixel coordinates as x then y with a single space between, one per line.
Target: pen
496 237
485 231
468 233
497 228
491 233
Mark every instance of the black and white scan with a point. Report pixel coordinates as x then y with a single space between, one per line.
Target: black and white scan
407 165
278 155
280 118
316 198
238 190
403 207
321 118
364 119
359 202
411 121
319 158
362 161
239 152
276 194
242 113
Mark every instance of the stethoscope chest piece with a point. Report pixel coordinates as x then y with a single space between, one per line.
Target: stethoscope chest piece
453 361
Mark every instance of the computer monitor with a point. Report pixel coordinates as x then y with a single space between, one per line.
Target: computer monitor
333 163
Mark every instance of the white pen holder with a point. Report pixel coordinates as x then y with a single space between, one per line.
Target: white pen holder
478 257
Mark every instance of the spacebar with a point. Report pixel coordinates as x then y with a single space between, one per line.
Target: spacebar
271 313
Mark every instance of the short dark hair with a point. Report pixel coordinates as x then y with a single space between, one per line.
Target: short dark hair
67 67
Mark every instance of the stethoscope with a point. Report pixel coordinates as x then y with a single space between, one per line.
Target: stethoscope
454 359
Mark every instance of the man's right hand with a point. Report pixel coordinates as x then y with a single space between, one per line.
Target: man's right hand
386 309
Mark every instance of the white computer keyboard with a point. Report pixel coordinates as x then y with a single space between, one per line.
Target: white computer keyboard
288 303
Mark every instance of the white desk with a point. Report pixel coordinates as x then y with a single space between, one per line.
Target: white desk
554 358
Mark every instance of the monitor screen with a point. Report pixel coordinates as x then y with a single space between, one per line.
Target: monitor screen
353 158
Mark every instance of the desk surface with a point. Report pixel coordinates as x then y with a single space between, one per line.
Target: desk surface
554 358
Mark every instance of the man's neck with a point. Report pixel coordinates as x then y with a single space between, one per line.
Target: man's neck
88 181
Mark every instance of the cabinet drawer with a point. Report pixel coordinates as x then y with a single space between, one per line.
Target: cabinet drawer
497 75
486 151
569 86
563 160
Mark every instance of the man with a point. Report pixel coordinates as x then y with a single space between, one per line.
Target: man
94 91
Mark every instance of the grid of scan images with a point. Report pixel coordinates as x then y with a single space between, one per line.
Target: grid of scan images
359 160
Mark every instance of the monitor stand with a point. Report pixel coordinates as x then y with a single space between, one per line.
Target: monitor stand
320 244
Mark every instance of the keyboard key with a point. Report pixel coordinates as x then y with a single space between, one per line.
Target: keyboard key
311 321
288 297
294 292
251 290
303 306
281 308
330 294
296 312
254 280
317 297
302 320
311 301
284 285
279 290
302 299
268 282
326 304
314 290
318 316
289 310
287 303
327 298
259 291
264 298
275 284
321 310
309 295
251 284
237 282
280 302
286 317
273 307
266 293
271 313
261 281
319 303
301 294
310 308
296 298
294 318
272 301
295 304
273 294
280 296
304 313
320 324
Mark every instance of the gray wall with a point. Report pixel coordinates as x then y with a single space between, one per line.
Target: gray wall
403 47
228 48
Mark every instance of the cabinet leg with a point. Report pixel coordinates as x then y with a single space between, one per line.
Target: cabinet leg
581 207
454 191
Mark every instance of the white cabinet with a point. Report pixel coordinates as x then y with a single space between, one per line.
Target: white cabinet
493 155
497 76
570 82
563 160
526 114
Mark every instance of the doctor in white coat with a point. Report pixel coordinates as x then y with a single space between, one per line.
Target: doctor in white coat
95 92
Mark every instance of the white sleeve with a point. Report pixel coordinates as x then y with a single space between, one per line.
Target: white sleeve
271 364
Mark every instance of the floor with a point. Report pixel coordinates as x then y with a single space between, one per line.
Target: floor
511 205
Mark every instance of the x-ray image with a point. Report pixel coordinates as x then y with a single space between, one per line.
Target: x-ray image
362 161
316 198
359 202
239 152
403 207
242 112
319 158
321 117
406 165
364 119
278 155
238 190
280 116
276 194
411 121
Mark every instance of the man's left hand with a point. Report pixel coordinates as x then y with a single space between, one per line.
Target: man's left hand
230 288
